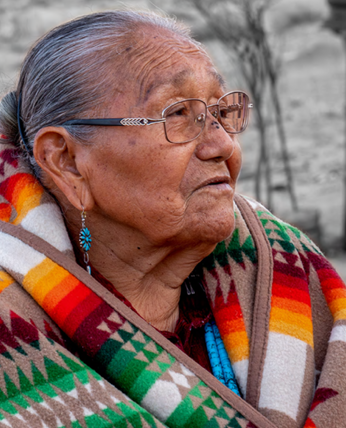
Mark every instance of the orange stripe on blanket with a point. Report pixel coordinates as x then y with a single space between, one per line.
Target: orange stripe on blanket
24 192
59 292
29 198
292 305
41 279
229 319
5 212
237 346
292 330
231 326
278 314
292 324
338 309
5 280
65 299
335 294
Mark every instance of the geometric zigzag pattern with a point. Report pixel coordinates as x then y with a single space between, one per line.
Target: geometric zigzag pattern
46 388
148 374
290 322
42 386
291 305
291 328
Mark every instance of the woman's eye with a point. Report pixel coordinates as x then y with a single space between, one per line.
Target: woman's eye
179 111
223 111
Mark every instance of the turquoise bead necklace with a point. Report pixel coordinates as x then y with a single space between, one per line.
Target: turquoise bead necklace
219 361
220 364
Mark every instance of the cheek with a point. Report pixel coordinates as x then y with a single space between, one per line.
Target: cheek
234 163
163 168
143 177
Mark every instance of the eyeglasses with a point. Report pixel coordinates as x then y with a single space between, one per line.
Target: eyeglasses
184 120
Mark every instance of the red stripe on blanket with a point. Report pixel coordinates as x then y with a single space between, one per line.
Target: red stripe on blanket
96 328
290 281
80 313
14 186
309 424
332 283
229 318
69 303
292 293
327 273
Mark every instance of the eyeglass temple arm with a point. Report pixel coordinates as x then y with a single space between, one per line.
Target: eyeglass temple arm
235 107
124 121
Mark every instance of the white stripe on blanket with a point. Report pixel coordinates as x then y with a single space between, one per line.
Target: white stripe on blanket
338 334
283 374
46 222
16 256
241 369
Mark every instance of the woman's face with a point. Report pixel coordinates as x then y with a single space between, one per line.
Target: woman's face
170 194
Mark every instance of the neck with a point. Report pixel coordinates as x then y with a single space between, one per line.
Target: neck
149 277
151 282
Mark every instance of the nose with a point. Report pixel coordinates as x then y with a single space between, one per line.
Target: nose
215 143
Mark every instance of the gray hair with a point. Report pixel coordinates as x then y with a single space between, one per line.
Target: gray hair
57 78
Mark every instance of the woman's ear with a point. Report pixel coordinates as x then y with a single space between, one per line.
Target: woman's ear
55 152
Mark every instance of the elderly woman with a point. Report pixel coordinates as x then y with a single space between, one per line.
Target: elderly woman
137 289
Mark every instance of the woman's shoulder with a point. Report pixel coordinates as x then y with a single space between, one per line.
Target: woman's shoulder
282 235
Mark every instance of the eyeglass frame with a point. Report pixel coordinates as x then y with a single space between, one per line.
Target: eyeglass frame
142 121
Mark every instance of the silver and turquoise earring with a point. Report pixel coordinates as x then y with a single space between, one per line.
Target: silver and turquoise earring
85 241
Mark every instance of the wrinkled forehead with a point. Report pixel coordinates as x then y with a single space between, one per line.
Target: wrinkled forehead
163 58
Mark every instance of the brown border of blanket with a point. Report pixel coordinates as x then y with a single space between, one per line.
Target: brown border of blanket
71 266
261 313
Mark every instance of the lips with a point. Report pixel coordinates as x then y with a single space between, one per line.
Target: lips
223 179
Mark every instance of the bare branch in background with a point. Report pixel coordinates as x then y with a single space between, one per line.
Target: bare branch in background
239 26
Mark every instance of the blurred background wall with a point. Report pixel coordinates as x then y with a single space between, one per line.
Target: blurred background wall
309 63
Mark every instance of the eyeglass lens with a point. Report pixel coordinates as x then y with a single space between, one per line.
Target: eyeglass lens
234 112
185 120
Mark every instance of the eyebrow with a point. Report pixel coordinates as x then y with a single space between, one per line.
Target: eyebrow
180 78
219 78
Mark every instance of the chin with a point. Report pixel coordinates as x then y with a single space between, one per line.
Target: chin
219 233
212 230
218 222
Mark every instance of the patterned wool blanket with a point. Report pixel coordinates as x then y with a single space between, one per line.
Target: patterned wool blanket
73 355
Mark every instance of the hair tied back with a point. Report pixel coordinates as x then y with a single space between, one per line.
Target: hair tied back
20 127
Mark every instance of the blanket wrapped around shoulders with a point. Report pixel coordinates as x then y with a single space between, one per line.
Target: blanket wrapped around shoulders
73 355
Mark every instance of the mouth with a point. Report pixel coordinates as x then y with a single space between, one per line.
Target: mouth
219 181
